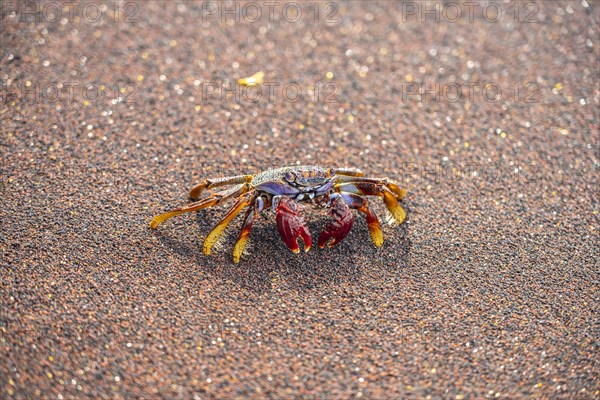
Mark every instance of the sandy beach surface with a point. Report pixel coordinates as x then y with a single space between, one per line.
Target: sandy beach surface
487 116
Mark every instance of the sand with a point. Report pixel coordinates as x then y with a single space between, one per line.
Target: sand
489 290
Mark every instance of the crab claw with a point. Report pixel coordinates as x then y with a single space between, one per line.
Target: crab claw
340 226
291 225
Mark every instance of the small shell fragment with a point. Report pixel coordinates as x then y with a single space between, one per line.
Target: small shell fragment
253 80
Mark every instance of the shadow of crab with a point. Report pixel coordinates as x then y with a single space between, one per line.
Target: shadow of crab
268 263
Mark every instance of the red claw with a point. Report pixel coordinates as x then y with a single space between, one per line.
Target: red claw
340 226
291 225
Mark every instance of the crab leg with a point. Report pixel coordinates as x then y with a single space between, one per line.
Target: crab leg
398 193
361 204
216 182
389 191
209 201
355 172
251 214
216 233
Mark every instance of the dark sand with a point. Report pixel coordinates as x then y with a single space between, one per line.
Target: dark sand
489 290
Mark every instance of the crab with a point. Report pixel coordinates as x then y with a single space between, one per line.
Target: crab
284 191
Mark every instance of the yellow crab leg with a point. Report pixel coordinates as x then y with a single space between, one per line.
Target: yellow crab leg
361 204
209 201
358 181
216 182
348 171
258 206
238 249
389 191
216 233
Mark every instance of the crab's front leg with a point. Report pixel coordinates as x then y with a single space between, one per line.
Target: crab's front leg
290 223
361 204
338 228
